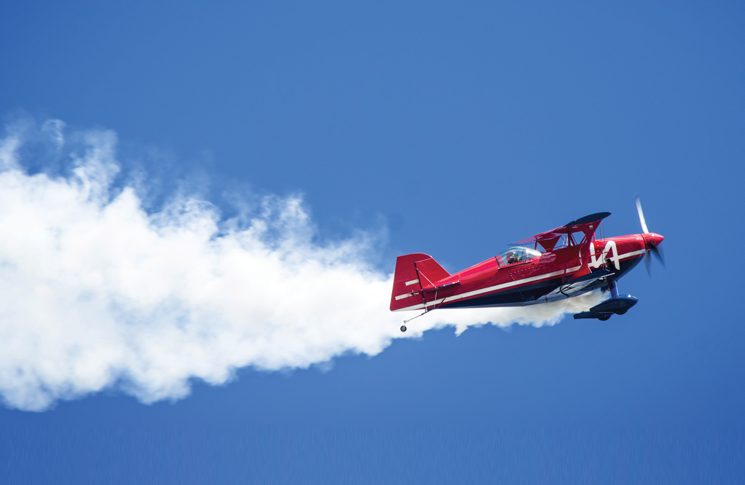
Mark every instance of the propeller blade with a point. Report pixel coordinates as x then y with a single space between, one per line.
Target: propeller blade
657 251
641 214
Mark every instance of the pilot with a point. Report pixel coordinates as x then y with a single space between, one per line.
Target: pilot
513 257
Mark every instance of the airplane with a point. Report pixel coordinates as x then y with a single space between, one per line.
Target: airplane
564 262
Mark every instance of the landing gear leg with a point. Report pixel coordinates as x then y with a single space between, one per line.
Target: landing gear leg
403 327
613 287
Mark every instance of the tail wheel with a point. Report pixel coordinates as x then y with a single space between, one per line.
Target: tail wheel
403 328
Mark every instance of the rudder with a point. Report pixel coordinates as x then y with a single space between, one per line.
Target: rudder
413 273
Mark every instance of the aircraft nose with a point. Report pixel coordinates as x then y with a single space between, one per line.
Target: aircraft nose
653 239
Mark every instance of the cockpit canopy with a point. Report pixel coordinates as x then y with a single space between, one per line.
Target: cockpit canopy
516 255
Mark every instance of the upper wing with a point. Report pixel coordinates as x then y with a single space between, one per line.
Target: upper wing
586 225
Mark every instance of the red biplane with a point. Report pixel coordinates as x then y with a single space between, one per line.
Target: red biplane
554 265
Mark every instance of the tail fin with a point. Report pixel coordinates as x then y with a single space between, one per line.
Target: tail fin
414 272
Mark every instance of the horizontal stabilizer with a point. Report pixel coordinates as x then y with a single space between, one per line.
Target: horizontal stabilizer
430 272
435 289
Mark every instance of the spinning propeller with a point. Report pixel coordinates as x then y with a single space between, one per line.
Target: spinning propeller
653 241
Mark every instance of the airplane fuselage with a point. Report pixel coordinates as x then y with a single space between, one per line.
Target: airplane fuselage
553 275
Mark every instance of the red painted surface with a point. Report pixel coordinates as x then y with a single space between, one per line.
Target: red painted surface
580 256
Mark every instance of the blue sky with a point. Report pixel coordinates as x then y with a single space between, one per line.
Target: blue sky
439 128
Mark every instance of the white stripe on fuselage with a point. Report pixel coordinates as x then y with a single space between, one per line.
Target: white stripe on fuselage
504 285
632 254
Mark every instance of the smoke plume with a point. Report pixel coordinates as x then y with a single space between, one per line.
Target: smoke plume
98 292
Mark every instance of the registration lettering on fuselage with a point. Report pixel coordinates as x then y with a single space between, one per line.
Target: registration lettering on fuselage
610 247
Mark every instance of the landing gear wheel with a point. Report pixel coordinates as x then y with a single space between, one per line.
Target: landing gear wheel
604 318
403 328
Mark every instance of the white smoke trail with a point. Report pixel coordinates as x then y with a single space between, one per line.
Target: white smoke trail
97 292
